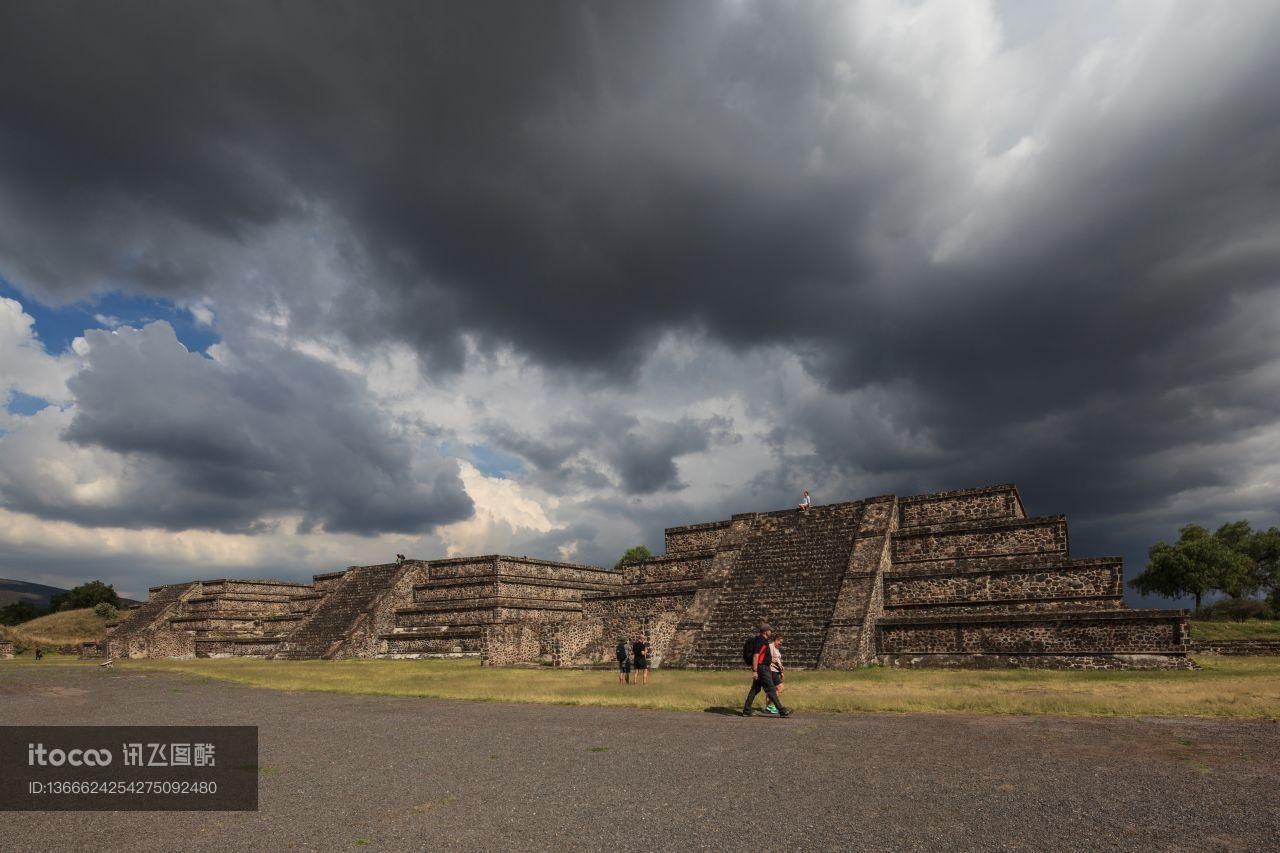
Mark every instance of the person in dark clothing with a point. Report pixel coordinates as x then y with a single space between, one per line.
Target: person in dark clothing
640 659
762 676
623 653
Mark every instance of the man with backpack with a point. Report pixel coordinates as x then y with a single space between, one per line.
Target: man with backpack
757 655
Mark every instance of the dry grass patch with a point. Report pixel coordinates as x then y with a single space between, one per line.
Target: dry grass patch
1253 629
64 628
1225 687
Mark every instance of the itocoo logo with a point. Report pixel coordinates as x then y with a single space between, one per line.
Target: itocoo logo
38 755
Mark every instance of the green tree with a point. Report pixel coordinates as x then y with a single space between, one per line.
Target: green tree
1200 562
1262 547
639 552
85 595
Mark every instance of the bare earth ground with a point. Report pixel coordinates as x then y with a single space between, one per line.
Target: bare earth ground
342 772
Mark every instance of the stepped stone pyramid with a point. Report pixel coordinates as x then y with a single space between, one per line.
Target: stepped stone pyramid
959 578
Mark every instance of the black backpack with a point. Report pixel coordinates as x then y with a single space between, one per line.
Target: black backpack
749 650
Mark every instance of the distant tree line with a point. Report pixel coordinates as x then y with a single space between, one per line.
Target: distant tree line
1235 560
91 594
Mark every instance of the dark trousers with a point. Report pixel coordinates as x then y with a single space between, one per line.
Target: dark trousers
763 681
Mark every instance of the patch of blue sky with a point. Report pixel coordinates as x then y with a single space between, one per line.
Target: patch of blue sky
495 463
25 404
57 326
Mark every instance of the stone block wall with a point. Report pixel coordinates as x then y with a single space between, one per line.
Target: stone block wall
1082 584
685 566
6 649
992 502
975 582
695 537
1121 631
496 608
1041 537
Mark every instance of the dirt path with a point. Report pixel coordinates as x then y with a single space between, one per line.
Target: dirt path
347 772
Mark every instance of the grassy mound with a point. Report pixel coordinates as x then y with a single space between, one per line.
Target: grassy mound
1254 629
66 628
1225 687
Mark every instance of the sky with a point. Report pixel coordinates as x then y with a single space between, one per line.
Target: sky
287 287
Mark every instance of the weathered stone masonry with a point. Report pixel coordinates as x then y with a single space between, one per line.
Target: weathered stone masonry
960 578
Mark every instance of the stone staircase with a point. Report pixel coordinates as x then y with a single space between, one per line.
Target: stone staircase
788 573
147 612
161 602
325 628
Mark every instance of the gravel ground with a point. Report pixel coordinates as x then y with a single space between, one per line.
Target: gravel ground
371 772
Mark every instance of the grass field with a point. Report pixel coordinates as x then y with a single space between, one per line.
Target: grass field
65 628
1253 629
1224 687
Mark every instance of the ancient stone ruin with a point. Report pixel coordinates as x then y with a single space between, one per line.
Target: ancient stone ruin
956 579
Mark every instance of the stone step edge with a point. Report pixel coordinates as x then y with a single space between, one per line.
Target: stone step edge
977 526
255 582
464 634
237 616
989 602
483 580
445 606
645 590
678 557
1003 564
1174 651
268 598
1046 616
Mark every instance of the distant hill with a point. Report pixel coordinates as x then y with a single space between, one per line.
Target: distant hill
37 594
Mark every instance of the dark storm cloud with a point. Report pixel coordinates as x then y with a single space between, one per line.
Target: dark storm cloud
577 179
641 455
212 445
602 170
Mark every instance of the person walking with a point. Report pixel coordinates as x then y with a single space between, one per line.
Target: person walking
758 655
775 666
640 659
623 653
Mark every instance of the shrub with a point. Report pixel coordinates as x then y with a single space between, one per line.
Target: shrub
106 610
1236 609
